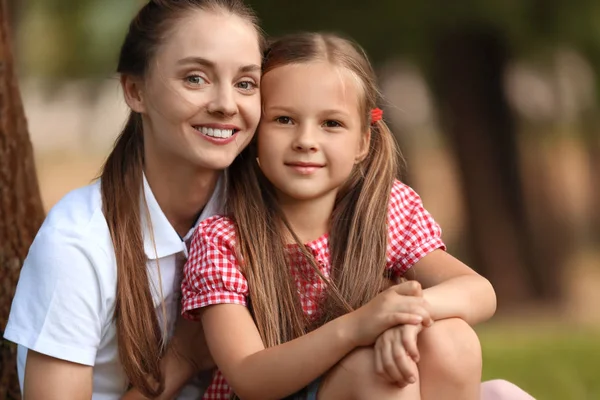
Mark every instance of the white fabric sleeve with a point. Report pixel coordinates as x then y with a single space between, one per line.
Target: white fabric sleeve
57 308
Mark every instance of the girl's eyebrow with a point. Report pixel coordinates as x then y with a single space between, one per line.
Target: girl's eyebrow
210 64
334 111
281 109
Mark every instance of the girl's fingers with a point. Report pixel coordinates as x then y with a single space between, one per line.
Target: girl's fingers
379 369
414 309
390 363
404 364
409 288
409 341
410 304
404 319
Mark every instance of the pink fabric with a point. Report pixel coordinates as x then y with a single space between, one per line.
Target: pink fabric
499 389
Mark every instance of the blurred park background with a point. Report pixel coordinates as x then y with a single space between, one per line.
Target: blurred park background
495 104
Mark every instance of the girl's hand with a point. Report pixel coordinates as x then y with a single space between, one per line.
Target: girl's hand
400 304
397 355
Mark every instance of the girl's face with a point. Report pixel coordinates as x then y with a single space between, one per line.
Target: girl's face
200 99
311 133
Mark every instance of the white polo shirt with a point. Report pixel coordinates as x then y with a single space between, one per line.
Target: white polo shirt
65 298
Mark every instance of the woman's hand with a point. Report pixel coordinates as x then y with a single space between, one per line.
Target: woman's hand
187 354
400 304
133 394
189 345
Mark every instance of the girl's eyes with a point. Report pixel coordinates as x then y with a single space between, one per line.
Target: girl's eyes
332 124
327 124
284 120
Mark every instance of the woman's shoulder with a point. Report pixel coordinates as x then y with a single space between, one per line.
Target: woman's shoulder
77 221
77 210
66 280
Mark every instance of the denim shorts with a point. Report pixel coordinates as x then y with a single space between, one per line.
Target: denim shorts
312 389
308 393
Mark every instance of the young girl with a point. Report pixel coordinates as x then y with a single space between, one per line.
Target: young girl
293 279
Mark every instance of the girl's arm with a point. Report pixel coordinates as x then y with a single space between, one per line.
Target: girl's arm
273 373
416 250
452 289
49 378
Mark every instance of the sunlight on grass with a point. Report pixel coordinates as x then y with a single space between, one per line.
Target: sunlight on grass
549 362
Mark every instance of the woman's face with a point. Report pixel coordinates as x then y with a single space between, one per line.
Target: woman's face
201 97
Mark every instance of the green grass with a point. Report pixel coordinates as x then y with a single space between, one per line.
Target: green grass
550 363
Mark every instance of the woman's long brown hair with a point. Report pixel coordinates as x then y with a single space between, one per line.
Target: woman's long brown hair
358 229
139 336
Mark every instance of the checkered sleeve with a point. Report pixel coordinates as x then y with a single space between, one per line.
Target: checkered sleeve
413 233
212 274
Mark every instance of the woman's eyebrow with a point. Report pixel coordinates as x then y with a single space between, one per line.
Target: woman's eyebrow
250 68
197 60
210 64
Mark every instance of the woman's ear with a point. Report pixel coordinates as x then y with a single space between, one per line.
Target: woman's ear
132 91
363 149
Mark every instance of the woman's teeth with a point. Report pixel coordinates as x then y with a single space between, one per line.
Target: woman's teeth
218 133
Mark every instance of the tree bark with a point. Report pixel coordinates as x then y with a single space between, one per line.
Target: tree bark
21 210
468 79
593 145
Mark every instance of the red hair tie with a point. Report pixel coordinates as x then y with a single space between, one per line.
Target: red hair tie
376 115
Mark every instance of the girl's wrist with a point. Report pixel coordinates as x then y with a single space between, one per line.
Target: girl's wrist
345 331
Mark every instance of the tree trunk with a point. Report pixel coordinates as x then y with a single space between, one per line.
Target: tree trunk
468 78
21 211
593 145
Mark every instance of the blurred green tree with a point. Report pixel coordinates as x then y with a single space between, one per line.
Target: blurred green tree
72 39
463 46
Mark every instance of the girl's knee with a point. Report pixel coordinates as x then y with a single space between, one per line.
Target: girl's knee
451 348
360 362
355 378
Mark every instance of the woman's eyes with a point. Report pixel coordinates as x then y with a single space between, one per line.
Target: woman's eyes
195 80
198 80
247 85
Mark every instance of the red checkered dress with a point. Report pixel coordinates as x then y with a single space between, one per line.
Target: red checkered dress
212 275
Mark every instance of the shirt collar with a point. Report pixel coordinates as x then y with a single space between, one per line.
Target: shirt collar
166 240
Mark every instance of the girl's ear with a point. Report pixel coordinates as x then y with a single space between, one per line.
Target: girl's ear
363 149
132 91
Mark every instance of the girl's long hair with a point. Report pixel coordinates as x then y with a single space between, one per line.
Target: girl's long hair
139 337
358 229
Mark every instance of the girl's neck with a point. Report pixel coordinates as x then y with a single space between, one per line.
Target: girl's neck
308 218
180 190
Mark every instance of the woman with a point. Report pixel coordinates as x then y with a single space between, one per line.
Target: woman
105 266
